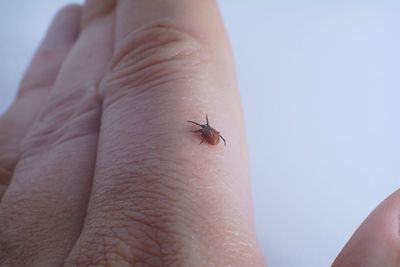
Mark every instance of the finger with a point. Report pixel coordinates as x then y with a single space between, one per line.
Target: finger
376 242
95 9
45 65
199 19
52 181
159 198
35 86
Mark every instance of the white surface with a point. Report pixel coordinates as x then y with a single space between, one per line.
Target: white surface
320 86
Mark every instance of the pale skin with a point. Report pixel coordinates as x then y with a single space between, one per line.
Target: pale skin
98 166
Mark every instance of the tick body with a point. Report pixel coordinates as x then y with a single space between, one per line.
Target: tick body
208 133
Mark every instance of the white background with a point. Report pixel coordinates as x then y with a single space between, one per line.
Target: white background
320 87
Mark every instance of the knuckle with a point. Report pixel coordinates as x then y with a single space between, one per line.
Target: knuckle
154 55
42 78
65 118
154 44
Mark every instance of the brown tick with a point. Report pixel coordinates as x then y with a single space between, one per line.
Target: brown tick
208 133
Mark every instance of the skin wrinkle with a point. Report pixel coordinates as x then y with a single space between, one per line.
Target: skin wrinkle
68 109
114 166
47 138
42 195
143 52
11 150
87 203
111 251
30 84
134 218
142 198
156 73
146 251
174 50
36 223
64 105
128 186
30 231
152 98
151 36
151 79
146 167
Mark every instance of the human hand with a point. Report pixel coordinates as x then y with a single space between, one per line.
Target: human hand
376 242
98 164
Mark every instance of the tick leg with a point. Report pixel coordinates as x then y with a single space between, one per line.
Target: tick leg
223 139
198 131
202 140
196 123
207 119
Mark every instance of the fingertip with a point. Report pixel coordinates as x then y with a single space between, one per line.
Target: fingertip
65 26
60 37
376 239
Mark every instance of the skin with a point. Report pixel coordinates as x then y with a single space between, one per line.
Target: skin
96 164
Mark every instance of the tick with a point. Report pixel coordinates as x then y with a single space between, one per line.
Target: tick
208 133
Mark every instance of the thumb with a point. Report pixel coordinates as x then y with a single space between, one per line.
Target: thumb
377 241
